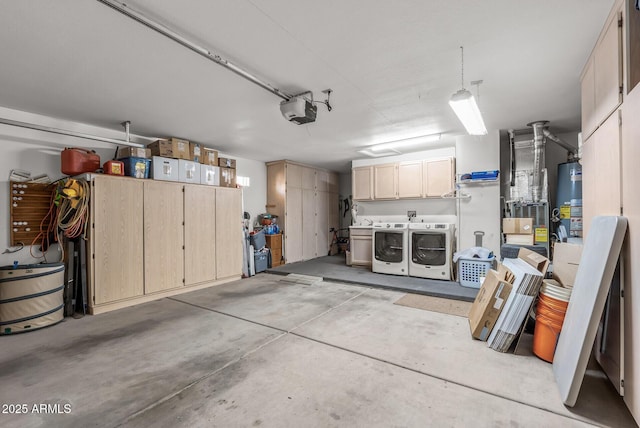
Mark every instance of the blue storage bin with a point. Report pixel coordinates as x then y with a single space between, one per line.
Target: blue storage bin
485 175
136 167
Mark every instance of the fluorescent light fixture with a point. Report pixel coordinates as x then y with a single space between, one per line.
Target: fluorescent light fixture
393 147
464 105
403 144
373 154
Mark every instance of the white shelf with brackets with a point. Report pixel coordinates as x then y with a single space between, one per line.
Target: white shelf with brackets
456 194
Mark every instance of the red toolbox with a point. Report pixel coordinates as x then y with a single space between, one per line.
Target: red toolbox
77 161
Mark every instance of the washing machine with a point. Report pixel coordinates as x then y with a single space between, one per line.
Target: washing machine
390 248
431 250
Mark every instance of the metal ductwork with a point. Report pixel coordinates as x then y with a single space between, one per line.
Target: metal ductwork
568 147
538 158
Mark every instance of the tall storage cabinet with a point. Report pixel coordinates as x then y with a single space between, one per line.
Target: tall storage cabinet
228 239
152 239
305 199
163 236
199 234
611 131
117 250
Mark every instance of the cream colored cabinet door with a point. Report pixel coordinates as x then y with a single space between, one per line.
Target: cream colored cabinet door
333 185
360 247
116 239
309 223
294 175
385 181
607 58
438 177
308 178
362 183
322 180
410 179
163 236
293 225
199 234
589 194
588 99
602 172
229 234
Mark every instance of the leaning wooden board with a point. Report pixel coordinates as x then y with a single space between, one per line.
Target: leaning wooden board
29 204
591 287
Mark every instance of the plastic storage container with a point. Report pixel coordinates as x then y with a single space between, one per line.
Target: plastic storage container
136 167
258 240
471 269
261 259
75 161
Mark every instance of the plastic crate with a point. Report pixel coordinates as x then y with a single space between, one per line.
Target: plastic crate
136 167
471 269
261 261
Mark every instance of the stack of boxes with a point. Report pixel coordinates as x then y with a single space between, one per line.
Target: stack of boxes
135 160
518 230
227 172
175 159
209 169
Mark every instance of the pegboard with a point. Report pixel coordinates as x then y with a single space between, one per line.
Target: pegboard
29 204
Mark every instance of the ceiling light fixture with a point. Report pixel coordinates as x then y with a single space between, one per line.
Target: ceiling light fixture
465 107
392 147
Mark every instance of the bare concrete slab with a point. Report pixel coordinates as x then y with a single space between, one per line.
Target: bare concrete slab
260 352
300 383
440 345
109 366
266 300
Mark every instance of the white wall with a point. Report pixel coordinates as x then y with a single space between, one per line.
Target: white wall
255 196
345 193
38 152
482 211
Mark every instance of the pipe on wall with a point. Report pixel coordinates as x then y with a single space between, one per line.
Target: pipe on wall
71 133
178 38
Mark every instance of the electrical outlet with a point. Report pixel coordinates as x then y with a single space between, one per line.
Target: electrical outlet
411 214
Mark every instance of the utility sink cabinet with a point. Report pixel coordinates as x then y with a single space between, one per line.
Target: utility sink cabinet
360 245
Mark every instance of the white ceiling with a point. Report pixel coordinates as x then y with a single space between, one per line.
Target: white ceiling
392 67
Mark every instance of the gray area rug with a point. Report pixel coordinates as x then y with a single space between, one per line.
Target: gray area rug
334 268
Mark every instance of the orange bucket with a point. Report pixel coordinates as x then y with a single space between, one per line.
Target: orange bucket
550 314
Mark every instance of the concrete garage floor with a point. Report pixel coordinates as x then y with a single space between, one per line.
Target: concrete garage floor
260 352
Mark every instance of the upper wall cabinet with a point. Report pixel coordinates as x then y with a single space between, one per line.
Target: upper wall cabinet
439 177
410 179
602 77
385 181
362 183
404 180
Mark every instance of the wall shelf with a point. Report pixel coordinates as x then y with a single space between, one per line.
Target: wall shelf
478 177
